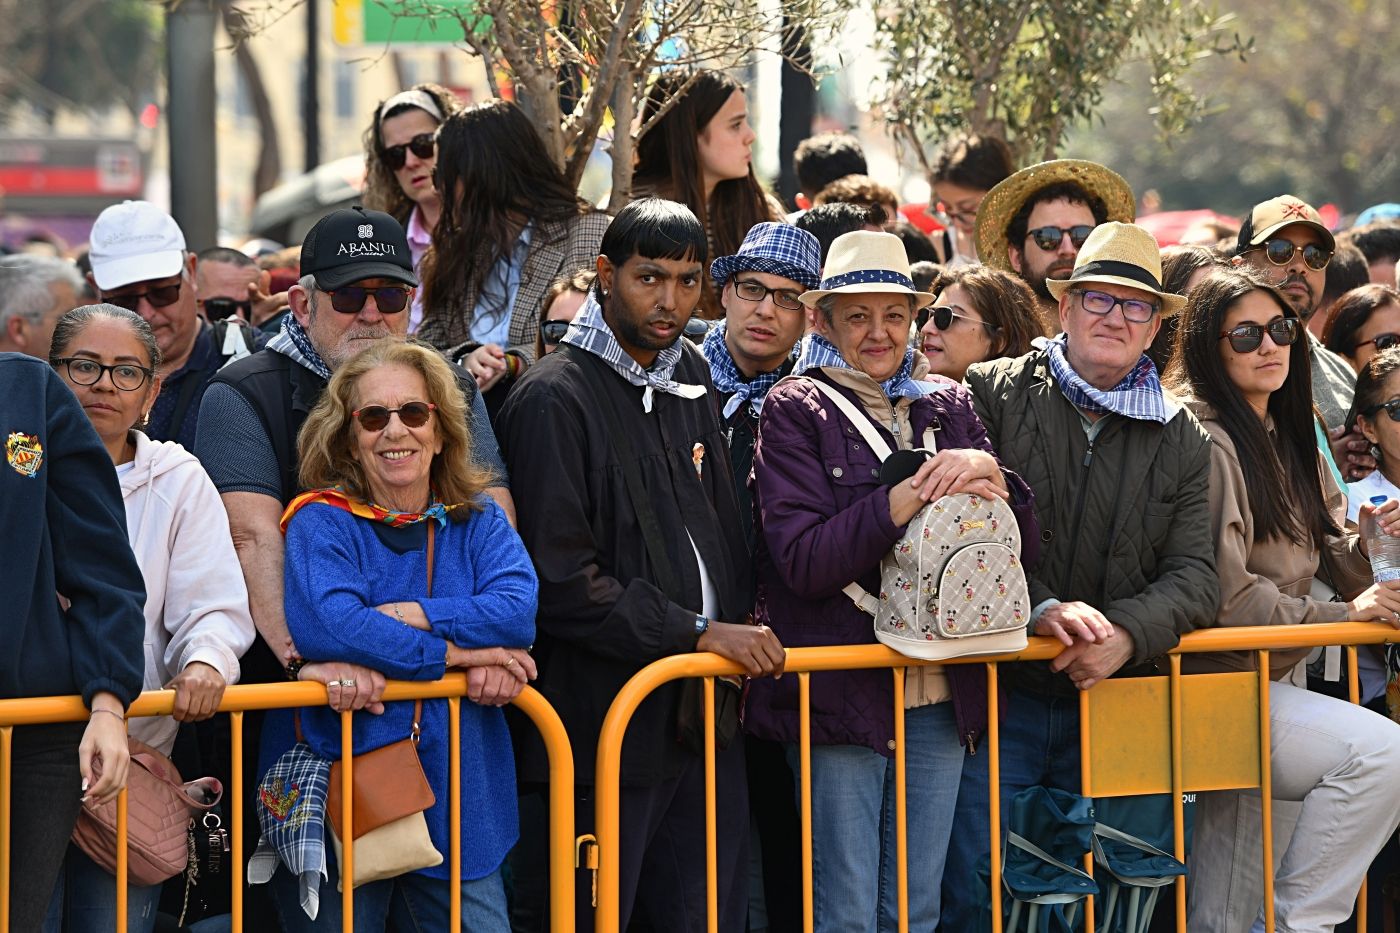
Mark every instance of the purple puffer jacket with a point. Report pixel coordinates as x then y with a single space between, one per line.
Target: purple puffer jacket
823 519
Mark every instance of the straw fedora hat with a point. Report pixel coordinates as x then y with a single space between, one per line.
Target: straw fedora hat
1120 254
1003 201
866 261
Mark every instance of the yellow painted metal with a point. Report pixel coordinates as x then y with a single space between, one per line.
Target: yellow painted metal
993 752
711 833
454 809
901 803
1266 791
562 852
236 818
7 738
1086 781
123 854
804 779
1178 790
1354 694
347 843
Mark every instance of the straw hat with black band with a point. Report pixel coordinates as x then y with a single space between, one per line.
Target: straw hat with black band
1005 200
1120 254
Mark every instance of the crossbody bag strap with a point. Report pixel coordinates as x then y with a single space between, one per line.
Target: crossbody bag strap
652 537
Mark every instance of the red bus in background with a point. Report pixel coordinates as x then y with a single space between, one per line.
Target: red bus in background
52 188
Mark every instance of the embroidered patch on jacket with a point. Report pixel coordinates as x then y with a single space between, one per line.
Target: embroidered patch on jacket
24 453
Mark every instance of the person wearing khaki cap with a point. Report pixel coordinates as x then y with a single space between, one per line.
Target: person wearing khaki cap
1121 474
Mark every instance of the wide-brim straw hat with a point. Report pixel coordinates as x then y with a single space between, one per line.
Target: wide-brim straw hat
866 261
1003 201
1120 254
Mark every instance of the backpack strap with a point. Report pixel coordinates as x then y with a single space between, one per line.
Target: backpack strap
857 417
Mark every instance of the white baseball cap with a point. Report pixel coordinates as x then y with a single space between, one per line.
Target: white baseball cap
135 241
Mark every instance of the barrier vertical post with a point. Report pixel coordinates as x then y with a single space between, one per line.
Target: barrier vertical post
7 737
711 832
804 777
454 809
123 852
994 792
901 801
1266 791
1354 694
347 843
236 816
1178 789
1086 781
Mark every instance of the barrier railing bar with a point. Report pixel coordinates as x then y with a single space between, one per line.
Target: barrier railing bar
1178 789
347 812
561 807
236 819
1354 694
1266 791
454 809
804 753
7 737
711 833
993 752
1086 778
901 803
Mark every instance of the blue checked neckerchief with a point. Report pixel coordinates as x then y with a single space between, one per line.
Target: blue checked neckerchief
1138 395
293 341
818 352
591 333
727 378
291 806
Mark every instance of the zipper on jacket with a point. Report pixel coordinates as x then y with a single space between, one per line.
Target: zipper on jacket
1086 466
970 741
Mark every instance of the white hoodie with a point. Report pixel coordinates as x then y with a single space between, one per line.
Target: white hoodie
196 600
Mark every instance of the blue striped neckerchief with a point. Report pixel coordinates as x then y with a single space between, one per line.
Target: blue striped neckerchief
724 372
293 341
1137 395
591 333
818 353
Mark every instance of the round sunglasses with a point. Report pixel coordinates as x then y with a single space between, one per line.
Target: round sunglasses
1280 252
1383 341
1247 338
423 146
85 372
157 296
943 315
389 299
375 418
1048 238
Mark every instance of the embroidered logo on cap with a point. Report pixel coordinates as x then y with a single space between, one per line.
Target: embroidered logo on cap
1295 209
366 231
24 453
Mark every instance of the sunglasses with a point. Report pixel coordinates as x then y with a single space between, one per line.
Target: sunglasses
216 309
943 315
84 372
554 331
1392 409
423 146
946 215
1247 338
1048 238
389 299
158 296
1135 310
1280 253
375 418
1383 341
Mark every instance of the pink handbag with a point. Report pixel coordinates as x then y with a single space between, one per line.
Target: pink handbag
158 811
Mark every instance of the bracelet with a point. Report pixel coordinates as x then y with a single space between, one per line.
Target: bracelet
397 614
294 667
102 709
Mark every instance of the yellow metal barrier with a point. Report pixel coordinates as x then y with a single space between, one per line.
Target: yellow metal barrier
236 701
1161 760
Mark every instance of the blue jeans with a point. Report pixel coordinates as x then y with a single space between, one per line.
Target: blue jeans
85 899
854 858
1039 745
411 903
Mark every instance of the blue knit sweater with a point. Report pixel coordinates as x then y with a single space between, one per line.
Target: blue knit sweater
338 568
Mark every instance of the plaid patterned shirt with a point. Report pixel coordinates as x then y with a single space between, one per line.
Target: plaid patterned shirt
1138 395
590 332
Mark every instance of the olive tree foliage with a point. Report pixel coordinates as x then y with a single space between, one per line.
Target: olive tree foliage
1027 70
608 50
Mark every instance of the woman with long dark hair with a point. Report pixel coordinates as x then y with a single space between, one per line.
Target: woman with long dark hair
510 224
1364 322
698 153
1242 364
400 152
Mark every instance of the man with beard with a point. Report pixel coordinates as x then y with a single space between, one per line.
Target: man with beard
1286 240
627 505
1034 222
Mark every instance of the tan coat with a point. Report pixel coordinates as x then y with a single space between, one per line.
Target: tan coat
1267 582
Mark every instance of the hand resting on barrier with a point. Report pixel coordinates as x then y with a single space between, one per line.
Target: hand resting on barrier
754 647
199 688
103 754
350 686
495 676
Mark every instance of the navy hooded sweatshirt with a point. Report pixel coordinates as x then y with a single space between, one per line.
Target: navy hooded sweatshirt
63 530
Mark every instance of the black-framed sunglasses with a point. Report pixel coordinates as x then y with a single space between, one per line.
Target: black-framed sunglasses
375 418
1048 238
1392 409
158 296
216 309
1247 338
350 299
750 290
423 146
1280 253
1383 341
85 372
554 331
1135 310
943 315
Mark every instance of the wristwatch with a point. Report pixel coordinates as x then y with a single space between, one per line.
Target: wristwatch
702 625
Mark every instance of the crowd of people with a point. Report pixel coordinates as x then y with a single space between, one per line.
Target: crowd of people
484 426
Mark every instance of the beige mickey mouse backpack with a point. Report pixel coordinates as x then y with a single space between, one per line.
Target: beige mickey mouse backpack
953 584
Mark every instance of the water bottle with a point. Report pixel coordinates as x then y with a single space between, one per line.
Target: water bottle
1384 549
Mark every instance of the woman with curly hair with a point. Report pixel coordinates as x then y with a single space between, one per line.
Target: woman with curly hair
400 152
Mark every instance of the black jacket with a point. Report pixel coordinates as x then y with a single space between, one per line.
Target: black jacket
602 616
64 527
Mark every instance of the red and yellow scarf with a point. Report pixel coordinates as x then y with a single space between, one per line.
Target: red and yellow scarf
339 498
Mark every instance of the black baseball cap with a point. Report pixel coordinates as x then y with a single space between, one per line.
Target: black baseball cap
352 244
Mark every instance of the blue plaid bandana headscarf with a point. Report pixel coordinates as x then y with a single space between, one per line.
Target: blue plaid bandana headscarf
590 332
291 804
727 378
1138 395
818 352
